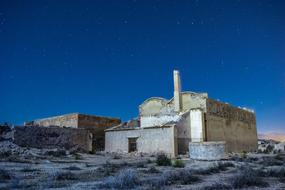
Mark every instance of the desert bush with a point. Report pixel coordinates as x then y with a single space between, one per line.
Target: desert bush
271 161
126 179
116 156
56 153
77 156
273 172
279 157
282 180
183 176
28 169
109 168
65 176
178 164
152 170
247 177
268 149
72 168
4 175
155 183
163 160
217 186
141 165
215 168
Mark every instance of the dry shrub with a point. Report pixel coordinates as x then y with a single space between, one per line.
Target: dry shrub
66 176
4 175
215 168
152 170
217 186
178 164
163 160
126 179
247 177
72 168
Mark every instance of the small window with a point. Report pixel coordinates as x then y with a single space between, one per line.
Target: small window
132 144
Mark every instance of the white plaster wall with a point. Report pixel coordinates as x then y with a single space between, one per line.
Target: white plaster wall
149 140
150 121
196 118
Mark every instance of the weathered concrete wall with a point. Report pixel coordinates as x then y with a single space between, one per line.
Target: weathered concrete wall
150 140
155 106
235 126
207 150
53 137
95 124
183 133
159 120
68 120
191 100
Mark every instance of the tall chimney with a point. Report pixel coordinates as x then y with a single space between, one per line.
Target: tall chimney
177 91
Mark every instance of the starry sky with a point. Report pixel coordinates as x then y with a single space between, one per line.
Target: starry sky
106 57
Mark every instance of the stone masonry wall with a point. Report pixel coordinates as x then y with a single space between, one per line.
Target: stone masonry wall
231 124
53 137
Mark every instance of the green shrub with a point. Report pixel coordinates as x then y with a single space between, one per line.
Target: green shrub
178 164
163 160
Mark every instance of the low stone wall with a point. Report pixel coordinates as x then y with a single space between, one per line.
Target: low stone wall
53 137
207 150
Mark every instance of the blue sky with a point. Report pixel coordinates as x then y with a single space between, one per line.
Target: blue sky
107 57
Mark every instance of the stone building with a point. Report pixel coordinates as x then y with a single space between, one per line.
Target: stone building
96 125
170 125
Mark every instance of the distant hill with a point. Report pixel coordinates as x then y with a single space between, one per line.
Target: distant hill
274 136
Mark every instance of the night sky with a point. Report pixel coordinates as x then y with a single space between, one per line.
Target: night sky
107 57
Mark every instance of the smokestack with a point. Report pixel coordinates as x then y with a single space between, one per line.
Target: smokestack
177 91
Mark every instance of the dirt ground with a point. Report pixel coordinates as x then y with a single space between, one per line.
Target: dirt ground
58 170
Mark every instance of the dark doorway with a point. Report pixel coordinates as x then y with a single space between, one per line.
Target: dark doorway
132 144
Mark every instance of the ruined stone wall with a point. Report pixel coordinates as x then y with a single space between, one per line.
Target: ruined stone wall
68 120
97 126
150 140
192 100
53 137
231 124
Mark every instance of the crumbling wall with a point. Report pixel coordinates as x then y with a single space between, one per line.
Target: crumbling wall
68 120
231 124
53 137
191 100
97 126
155 106
149 140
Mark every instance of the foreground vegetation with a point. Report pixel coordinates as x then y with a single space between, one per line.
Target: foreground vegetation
114 171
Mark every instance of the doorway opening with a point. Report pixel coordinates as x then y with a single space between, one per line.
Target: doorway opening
132 144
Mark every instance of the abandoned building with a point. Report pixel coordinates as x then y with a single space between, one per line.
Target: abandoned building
96 125
170 125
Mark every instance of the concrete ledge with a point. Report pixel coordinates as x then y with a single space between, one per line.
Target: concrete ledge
207 150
